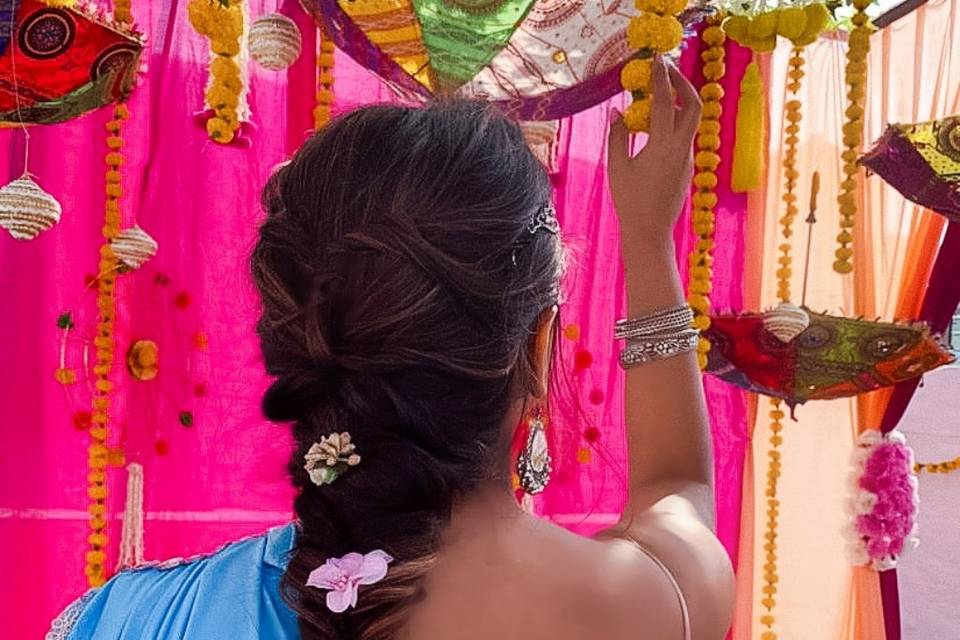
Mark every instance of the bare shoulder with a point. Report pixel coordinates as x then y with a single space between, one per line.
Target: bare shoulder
628 591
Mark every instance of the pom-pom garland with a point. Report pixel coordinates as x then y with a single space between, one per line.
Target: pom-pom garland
770 575
790 173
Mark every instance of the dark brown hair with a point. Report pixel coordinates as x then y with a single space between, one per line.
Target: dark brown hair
400 288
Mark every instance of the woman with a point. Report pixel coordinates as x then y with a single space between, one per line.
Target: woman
408 269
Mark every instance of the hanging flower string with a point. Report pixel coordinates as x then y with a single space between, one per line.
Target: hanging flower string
856 76
707 160
947 466
770 576
324 108
96 556
222 22
790 173
883 505
122 12
654 31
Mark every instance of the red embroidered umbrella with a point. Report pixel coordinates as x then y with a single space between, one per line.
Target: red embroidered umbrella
832 357
58 63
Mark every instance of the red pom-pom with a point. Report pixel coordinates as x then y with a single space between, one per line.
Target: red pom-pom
596 396
582 359
162 447
592 434
182 300
81 420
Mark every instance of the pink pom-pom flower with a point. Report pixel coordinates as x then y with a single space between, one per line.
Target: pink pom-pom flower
883 504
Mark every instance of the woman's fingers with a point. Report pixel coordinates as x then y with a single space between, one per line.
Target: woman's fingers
618 139
661 107
688 117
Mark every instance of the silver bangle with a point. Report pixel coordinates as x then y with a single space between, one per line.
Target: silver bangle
652 348
662 322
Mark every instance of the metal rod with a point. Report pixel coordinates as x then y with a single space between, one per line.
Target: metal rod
811 220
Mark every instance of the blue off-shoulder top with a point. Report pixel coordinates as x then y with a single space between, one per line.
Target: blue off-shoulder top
233 594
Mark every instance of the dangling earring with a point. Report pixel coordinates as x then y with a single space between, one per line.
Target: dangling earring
533 466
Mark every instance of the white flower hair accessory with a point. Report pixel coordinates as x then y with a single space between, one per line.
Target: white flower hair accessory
327 459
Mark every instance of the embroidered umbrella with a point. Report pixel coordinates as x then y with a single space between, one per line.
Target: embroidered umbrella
538 60
58 63
922 161
833 357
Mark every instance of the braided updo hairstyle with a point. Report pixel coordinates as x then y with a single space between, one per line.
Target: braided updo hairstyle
400 288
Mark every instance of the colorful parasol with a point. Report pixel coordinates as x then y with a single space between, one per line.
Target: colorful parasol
62 62
922 161
833 357
539 60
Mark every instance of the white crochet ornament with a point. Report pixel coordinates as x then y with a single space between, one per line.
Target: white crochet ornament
274 41
133 247
786 322
26 210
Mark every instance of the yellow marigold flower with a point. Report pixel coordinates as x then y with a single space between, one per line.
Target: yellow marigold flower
791 21
225 46
714 70
65 376
661 6
736 27
198 13
219 97
709 128
636 117
707 160
657 33
712 110
636 74
763 45
714 36
114 142
705 181
711 91
705 200
763 25
219 130
113 176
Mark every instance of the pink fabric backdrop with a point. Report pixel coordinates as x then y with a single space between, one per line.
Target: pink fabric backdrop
223 477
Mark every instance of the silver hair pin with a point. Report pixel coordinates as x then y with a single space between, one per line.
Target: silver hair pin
545 218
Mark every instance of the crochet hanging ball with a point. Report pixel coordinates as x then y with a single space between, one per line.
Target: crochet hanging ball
133 247
786 322
26 210
274 41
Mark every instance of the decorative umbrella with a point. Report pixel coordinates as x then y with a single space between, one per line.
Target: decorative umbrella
833 357
538 60
921 161
61 62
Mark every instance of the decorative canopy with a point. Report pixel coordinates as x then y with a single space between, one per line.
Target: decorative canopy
922 161
834 357
67 62
538 60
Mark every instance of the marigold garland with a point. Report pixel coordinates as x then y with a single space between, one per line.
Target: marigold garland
322 112
655 30
222 22
856 77
947 466
770 575
122 11
98 452
790 173
707 160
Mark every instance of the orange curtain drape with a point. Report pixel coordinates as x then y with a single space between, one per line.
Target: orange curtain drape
913 76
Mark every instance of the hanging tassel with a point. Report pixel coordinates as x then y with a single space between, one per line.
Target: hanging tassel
748 148
131 537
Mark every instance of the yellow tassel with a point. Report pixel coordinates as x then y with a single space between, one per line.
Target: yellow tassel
748 148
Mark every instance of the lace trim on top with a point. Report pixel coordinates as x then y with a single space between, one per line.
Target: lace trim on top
61 627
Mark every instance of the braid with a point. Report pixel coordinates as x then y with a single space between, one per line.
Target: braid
395 309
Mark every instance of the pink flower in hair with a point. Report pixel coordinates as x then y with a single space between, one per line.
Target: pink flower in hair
343 576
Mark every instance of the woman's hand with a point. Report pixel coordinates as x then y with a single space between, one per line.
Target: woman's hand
649 189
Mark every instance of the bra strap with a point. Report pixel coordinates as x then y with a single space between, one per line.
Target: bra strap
676 587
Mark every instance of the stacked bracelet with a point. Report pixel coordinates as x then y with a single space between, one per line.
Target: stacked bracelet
656 337
663 322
